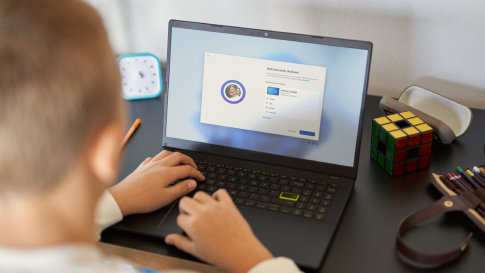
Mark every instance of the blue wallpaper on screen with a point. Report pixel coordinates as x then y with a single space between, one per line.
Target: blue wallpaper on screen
342 96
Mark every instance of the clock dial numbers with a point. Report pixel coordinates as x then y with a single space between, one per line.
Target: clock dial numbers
140 76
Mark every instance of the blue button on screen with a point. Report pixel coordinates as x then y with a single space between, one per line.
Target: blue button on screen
273 91
307 133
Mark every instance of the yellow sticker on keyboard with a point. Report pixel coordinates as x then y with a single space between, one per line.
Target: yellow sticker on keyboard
289 196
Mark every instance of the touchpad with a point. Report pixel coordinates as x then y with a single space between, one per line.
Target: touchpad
168 224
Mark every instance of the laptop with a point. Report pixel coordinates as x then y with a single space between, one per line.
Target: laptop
276 119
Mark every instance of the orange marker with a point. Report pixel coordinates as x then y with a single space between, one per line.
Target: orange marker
130 132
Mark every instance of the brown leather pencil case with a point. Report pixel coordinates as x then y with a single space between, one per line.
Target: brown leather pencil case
471 202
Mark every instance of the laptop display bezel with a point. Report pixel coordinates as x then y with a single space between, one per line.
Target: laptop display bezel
285 161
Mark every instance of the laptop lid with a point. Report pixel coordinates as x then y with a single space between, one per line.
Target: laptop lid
280 98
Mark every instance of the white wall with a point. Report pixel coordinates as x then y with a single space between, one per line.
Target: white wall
437 44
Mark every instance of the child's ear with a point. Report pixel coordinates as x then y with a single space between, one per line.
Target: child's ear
104 152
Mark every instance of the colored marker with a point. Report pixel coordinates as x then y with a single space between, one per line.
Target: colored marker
448 183
477 175
479 171
454 178
466 177
475 178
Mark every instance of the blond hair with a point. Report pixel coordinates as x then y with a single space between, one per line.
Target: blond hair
58 83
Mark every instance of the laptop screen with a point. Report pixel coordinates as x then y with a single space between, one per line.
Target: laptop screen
298 98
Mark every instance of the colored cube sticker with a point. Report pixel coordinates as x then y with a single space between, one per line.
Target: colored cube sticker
401 143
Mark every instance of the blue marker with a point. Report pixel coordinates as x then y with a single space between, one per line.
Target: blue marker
466 177
477 174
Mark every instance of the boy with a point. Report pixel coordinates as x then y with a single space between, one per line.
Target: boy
61 123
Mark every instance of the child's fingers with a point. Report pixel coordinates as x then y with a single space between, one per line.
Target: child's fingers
222 195
188 205
181 242
162 154
177 158
202 197
182 188
148 159
183 171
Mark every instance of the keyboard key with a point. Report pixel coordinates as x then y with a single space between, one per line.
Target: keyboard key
314 200
286 188
319 216
242 187
243 194
274 193
331 190
300 205
311 207
283 181
212 175
231 172
232 193
261 205
308 214
318 194
210 181
322 209
326 203
320 188
222 177
240 201
297 212
231 185
274 207
328 196
274 187
310 186
297 184
306 192
282 202
303 198
252 189
252 176
220 184
221 170
232 179
243 181
264 185
253 183
285 209
265 198
241 174
273 179
250 203
263 191
254 196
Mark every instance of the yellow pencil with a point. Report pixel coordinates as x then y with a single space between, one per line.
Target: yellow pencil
130 132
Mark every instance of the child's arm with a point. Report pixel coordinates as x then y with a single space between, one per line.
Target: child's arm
147 188
219 234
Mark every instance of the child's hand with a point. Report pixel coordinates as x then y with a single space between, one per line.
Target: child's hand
217 233
147 188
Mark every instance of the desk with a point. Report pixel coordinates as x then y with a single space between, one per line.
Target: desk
364 241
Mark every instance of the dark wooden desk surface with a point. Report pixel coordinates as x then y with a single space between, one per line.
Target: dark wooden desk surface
364 241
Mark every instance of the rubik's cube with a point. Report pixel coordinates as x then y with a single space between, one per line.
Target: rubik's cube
401 143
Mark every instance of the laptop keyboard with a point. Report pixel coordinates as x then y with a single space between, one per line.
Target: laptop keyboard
270 191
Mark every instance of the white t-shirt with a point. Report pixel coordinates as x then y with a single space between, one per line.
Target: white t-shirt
79 258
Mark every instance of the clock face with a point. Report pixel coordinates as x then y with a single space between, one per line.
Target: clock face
140 76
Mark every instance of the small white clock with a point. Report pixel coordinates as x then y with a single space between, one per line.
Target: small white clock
141 76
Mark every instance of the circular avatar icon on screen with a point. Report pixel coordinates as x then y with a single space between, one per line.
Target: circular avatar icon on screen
233 92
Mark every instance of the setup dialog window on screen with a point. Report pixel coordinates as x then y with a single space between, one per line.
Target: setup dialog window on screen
261 95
